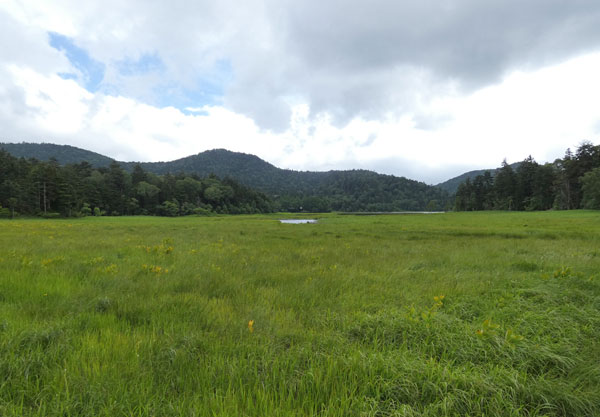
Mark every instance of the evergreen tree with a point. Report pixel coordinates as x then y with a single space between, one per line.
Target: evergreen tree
524 185
504 187
138 175
591 189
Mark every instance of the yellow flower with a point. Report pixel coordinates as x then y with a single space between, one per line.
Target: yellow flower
251 326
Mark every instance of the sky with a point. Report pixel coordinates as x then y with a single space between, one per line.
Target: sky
425 89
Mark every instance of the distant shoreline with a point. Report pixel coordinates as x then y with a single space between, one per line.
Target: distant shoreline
376 213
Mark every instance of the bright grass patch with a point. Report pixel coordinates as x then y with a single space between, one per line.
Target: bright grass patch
458 314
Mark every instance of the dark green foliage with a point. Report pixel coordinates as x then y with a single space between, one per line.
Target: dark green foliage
356 190
5 213
591 189
567 183
451 185
50 190
505 185
64 154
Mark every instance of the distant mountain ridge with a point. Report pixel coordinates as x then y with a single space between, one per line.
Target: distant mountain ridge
451 185
350 189
245 168
64 154
251 168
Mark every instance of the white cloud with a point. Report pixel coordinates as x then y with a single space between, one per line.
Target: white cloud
366 106
523 115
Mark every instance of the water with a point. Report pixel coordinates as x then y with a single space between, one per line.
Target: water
377 213
298 221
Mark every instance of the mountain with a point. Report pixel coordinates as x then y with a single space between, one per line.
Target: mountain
64 154
247 169
355 190
451 185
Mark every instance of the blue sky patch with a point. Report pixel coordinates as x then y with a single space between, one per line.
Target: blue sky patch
205 93
190 111
208 89
145 64
68 76
92 71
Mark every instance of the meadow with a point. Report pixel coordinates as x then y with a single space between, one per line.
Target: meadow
457 314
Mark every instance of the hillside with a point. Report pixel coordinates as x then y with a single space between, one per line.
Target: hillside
353 190
248 169
64 154
451 185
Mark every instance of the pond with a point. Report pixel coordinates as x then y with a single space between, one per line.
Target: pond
298 221
378 213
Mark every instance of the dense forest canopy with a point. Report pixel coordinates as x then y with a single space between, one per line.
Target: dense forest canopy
571 182
104 186
451 185
279 189
46 188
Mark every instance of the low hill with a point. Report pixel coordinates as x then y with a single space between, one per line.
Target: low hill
451 185
353 190
64 154
247 169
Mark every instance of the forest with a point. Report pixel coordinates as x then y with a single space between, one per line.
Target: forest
47 189
56 183
571 182
245 184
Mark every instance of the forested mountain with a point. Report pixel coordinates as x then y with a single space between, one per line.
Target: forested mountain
149 188
357 190
569 183
63 154
248 169
48 189
360 190
452 184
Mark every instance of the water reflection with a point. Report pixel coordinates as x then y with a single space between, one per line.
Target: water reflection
298 221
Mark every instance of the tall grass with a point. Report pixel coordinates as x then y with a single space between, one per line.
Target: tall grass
444 315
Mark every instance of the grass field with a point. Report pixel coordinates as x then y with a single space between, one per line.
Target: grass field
458 314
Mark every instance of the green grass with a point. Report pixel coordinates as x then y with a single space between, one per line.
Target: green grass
149 316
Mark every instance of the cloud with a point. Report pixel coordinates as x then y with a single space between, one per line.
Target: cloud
518 117
90 72
28 45
346 58
410 88
367 59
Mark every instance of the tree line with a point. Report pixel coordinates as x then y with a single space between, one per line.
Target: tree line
571 182
360 190
74 188
32 187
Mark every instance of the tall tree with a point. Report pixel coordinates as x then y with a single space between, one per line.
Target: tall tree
591 189
505 186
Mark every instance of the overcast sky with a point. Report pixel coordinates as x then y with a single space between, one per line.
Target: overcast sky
425 89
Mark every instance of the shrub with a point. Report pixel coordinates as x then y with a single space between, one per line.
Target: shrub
86 210
50 215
